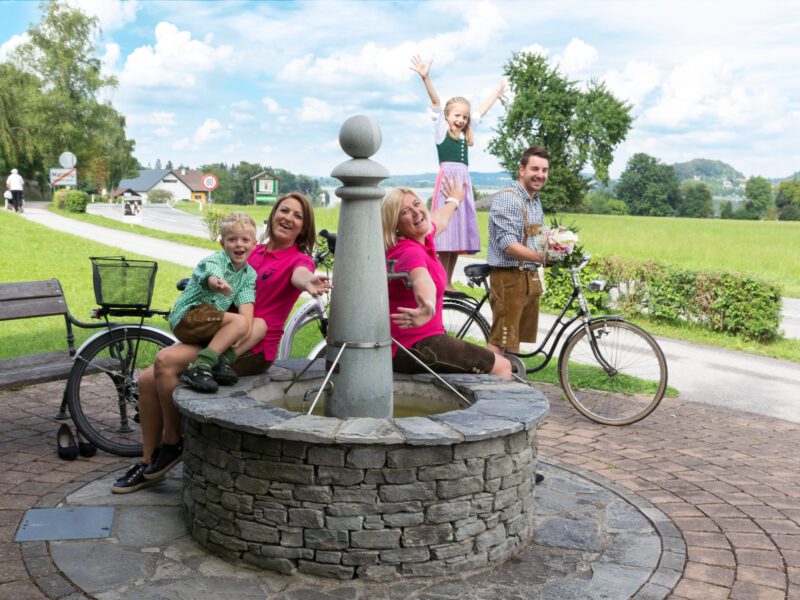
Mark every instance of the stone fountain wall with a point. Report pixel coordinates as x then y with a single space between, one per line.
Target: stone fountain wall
368 498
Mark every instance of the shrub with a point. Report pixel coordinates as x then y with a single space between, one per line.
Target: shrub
160 196
212 219
58 198
75 201
728 302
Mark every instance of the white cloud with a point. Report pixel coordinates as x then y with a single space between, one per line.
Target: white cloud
634 82
535 49
110 57
11 44
404 99
241 117
273 107
112 14
708 89
182 144
211 129
163 131
484 22
578 57
314 109
176 60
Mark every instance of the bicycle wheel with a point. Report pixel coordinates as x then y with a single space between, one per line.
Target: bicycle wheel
624 390
303 335
102 389
460 320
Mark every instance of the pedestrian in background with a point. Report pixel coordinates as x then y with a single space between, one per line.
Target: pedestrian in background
14 184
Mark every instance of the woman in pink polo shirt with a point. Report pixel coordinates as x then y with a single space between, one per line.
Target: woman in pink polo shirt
284 269
416 312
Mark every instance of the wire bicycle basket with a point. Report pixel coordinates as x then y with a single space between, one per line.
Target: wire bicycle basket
122 283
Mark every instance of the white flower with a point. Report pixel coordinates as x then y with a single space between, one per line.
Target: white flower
564 237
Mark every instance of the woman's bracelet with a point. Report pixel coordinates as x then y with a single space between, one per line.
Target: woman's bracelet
456 200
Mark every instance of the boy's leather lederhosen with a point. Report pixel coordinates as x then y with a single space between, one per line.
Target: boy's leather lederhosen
514 297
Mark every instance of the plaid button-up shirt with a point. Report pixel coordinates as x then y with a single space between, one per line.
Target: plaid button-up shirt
242 282
506 224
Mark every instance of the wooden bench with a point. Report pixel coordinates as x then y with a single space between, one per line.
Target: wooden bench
28 300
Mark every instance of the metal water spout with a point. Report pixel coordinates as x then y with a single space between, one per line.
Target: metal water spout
359 320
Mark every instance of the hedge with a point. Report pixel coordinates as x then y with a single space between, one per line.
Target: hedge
724 301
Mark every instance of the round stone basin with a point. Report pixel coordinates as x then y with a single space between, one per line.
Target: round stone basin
361 497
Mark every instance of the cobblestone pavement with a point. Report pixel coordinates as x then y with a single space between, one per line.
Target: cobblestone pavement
728 480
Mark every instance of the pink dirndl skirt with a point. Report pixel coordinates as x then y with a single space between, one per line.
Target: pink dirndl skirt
461 235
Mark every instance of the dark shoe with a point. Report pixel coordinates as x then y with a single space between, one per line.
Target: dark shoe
165 457
200 378
538 478
87 449
224 374
67 448
133 480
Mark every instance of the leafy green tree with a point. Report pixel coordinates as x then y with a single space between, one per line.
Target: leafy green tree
758 192
241 180
649 187
61 56
19 92
577 126
602 202
696 200
726 211
225 191
169 165
787 199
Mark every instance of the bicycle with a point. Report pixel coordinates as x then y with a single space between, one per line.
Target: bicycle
612 371
306 330
102 391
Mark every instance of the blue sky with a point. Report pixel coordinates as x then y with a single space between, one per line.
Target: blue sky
271 82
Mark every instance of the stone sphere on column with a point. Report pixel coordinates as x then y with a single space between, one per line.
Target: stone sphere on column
360 136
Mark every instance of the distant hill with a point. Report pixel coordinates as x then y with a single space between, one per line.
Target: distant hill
706 170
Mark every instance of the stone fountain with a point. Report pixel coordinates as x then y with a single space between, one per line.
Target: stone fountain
361 491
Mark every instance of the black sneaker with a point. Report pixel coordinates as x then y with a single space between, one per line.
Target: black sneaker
224 375
133 480
164 458
200 378
538 478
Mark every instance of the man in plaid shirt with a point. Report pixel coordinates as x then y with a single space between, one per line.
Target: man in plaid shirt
516 217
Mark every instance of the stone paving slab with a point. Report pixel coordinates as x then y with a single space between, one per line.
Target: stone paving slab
725 482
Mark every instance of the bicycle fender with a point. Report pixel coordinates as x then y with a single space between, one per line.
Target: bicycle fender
123 326
301 313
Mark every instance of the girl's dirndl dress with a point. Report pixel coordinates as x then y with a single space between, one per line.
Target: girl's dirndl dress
461 235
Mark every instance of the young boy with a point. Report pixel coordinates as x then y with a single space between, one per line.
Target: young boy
200 314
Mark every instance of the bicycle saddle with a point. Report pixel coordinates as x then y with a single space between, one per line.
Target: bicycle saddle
477 271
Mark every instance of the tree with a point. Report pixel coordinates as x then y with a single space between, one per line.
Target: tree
225 192
67 115
696 200
18 94
169 165
576 127
758 192
159 196
787 199
726 211
158 163
649 187
602 202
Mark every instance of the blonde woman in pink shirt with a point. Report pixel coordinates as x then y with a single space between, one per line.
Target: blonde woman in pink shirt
416 313
284 269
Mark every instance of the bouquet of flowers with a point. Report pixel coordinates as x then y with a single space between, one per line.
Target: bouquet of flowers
560 245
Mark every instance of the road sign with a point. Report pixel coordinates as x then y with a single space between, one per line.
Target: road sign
209 181
67 160
64 177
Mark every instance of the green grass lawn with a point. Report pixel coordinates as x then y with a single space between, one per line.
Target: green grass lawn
767 249
33 252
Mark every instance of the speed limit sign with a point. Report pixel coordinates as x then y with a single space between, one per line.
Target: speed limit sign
209 181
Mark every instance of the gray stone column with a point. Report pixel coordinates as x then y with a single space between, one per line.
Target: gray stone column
360 299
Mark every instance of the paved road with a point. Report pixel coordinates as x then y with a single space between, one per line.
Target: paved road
700 373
